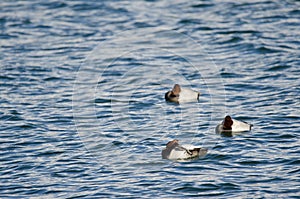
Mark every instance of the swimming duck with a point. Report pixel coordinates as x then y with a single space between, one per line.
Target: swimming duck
231 125
174 151
178 94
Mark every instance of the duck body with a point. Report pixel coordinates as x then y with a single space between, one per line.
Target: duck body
179 94
232 125
174 151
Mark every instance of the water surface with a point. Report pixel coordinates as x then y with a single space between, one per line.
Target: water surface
82 98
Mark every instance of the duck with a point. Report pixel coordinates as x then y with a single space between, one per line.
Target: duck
229 125
175 151
179 94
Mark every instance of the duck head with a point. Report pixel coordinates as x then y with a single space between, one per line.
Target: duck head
172 144
227 123
169 147
173 95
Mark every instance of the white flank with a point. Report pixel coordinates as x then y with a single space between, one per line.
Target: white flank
188 95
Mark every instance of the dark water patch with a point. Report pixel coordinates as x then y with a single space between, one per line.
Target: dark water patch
234 39
238 32
49 154
88 6
28 126
42 27
117 143
102 101
266 50
226 134
295 12
252 163
13 115
3 20
202 5
52 79
278 68
7 36
203 28
11 118
229 186
104 114
142 25
187 188
288 47
230 75
189 21
294 162
295 170
256 4
292 117
288 137
54 5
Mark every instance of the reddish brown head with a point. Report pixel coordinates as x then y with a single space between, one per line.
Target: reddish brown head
173 95
227 123
172 144
176 89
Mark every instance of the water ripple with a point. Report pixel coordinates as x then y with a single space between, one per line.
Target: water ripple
55 83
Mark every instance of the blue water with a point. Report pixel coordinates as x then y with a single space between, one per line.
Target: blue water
82 87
